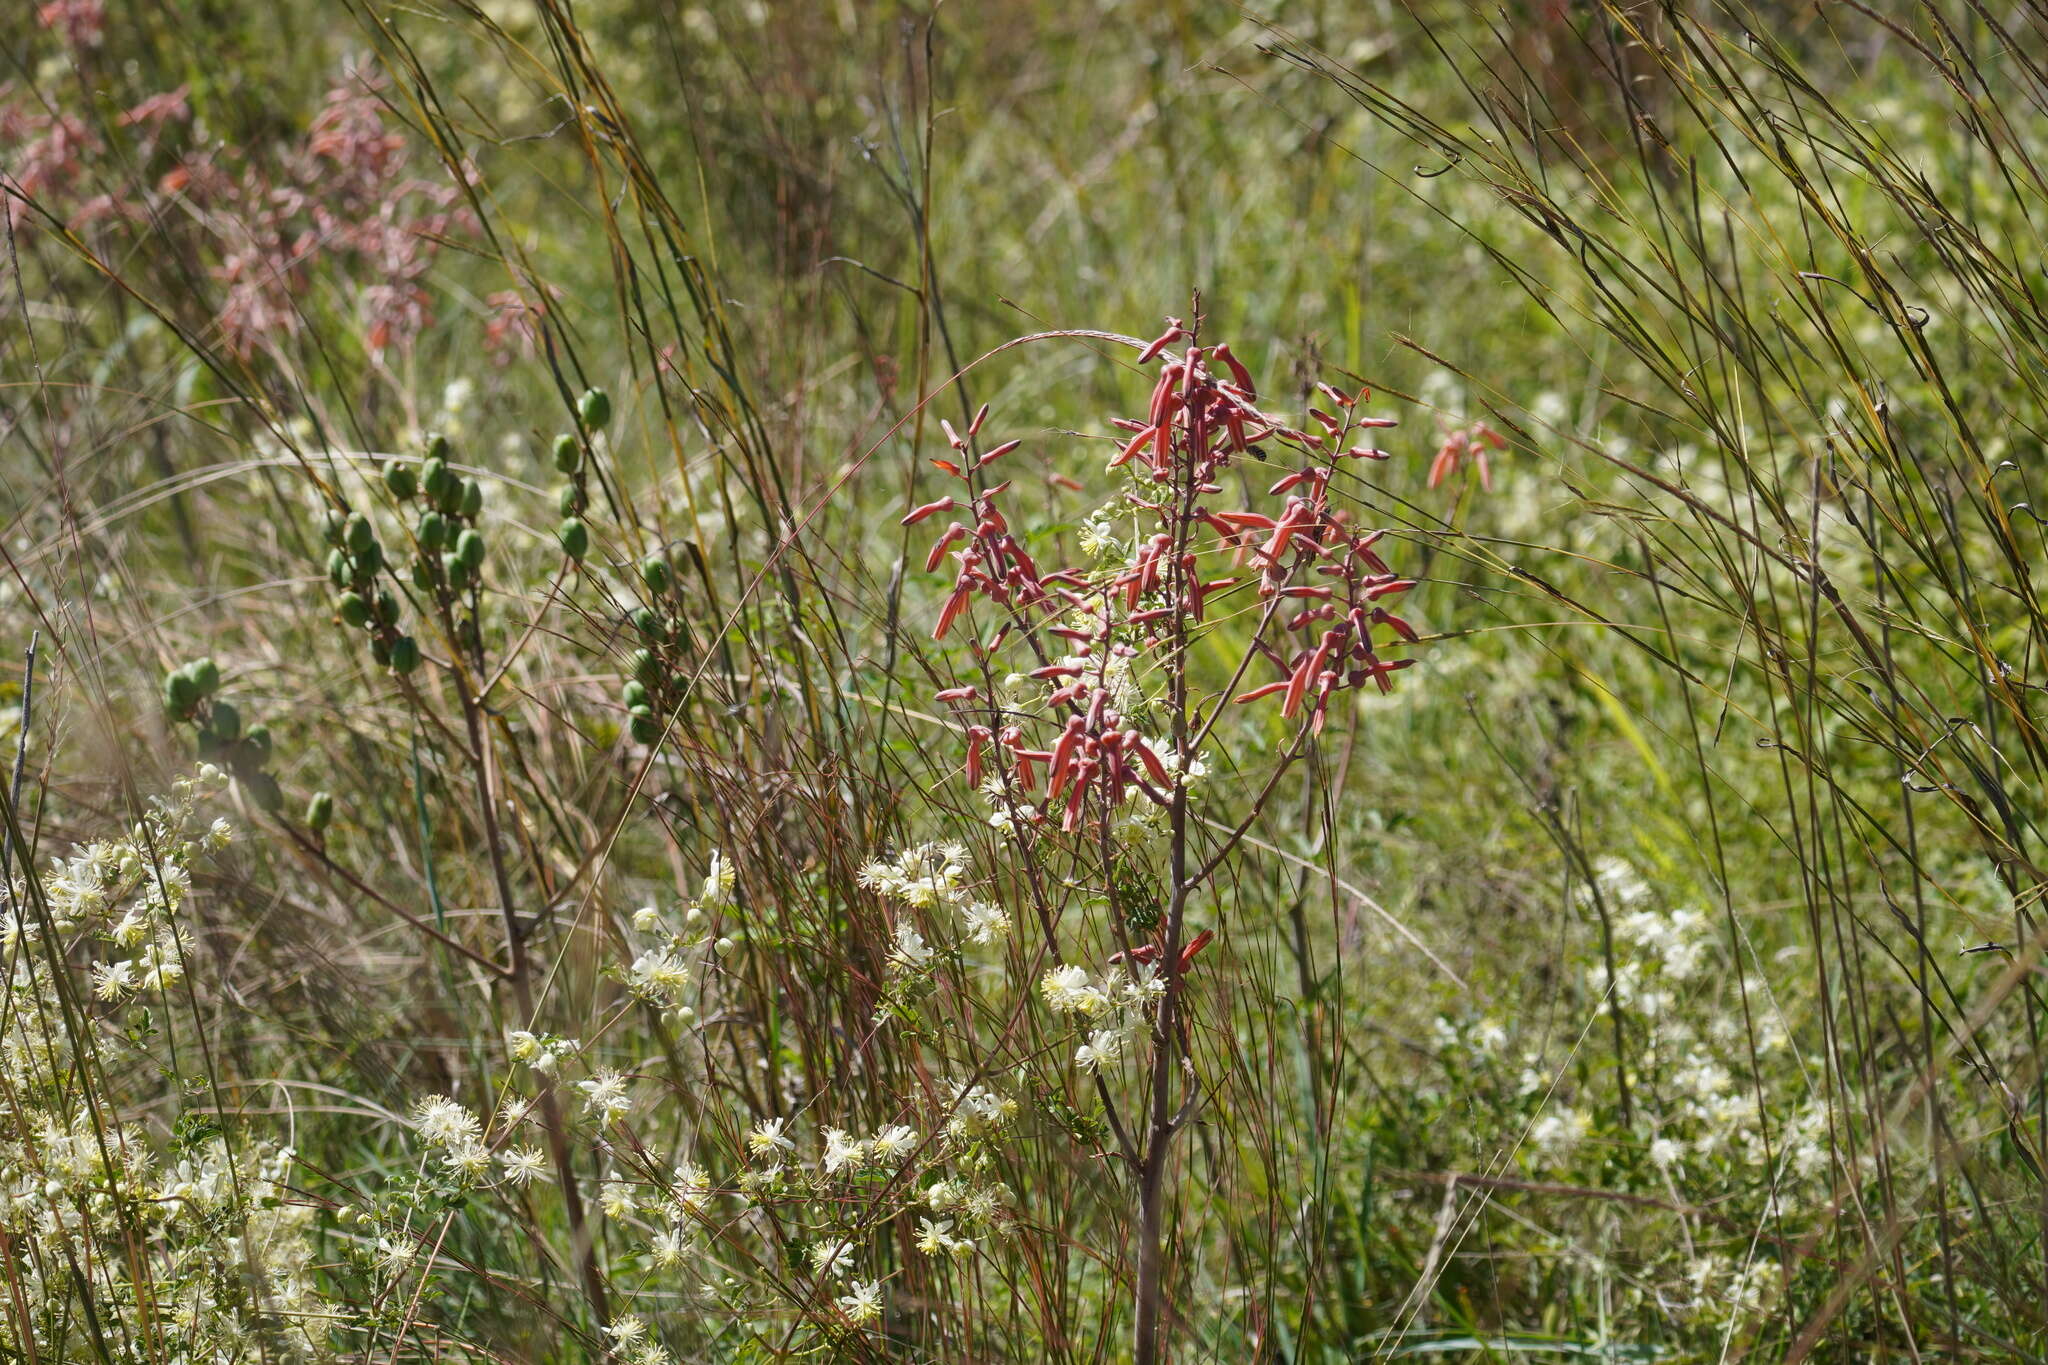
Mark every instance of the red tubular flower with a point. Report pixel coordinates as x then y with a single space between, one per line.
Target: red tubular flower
918 514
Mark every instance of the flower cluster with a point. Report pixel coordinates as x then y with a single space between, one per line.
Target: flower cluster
1317 585
188 1229
931 877
1114 1012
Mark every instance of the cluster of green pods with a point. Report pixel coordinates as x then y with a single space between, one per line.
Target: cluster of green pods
192 697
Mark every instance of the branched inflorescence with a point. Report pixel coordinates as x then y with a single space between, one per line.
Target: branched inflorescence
1317 583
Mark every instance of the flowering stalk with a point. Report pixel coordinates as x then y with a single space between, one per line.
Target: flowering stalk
1109 719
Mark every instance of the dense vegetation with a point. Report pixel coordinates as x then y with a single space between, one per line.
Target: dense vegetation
718 683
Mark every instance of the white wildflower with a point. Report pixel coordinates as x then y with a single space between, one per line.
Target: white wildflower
842 1149
863 1301
767 1137
893 1142
604 1096
523 1165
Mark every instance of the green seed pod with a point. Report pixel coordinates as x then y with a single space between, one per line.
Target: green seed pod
569 500
401 481
645 728
180 692
594 410
226 722
568 453
258 740
654 573
434 476
456 572
575 537
648 622
635 694
334 526
210 748
359 535
472 499
387 607
469 548
206 673
339 570
646 668
264 791
352 609
433 531
437 447
320 811
405 654
449 499
369 561
380 653
242 758
423 574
